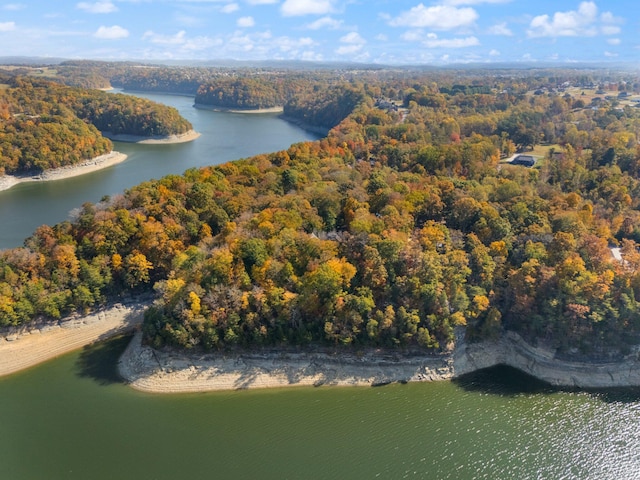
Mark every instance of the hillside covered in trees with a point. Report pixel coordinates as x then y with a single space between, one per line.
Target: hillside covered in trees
45 125
393 230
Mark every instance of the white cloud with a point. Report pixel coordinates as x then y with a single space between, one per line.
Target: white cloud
608 17
13 7
348 49
500 29
189 20
494 53
433 41
412 35
610 29
7 26
353 38
613 41
382 37
574 23
246 22
111 33
439 17
261 2
292 8
325 22
230 8
610 54
159 39
98 7
179 44
352 44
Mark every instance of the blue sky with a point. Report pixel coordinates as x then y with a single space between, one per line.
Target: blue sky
372 31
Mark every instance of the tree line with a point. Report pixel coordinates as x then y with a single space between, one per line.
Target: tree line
45 125
397 227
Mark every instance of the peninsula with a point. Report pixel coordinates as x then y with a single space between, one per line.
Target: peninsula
88 166
49 131
397 230
172 371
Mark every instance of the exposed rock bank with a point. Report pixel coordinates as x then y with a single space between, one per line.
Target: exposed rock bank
25 347
157 140
215 108
88 166
541 363
169 372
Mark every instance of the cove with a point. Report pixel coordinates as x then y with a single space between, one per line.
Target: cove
224 137
73 418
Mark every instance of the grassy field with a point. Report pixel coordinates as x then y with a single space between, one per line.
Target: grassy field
541 151
588 94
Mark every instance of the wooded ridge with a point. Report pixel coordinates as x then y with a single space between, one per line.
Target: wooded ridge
403 223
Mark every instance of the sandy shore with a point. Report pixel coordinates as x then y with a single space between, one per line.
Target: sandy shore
182 138
92 165
26 348
162 372
279 109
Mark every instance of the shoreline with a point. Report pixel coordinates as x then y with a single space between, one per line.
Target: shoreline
167 371
157 140
154 371
539 362
252 111
323 131
87 166
22 348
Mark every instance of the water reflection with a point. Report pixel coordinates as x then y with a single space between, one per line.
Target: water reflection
503 380
99 361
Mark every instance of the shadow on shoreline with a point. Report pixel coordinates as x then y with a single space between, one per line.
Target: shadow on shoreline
510 382
504 381
99 361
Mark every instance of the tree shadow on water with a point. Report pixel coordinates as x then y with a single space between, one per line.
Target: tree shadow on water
503 380
507 381
99 360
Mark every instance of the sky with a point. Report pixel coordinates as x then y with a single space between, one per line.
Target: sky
390 32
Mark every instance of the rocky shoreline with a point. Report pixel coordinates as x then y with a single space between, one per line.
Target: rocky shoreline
157 140
88 166
216 108
156 371
541 363
169 371
27 346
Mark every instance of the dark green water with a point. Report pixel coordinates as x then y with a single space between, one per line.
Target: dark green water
71 419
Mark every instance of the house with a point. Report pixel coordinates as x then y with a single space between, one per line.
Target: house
525 160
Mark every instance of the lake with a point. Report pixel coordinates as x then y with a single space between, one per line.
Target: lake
225 136
72 418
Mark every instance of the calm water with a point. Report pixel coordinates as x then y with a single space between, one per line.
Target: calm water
71 418
225 136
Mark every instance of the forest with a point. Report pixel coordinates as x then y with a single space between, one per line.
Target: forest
46 125
405 222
